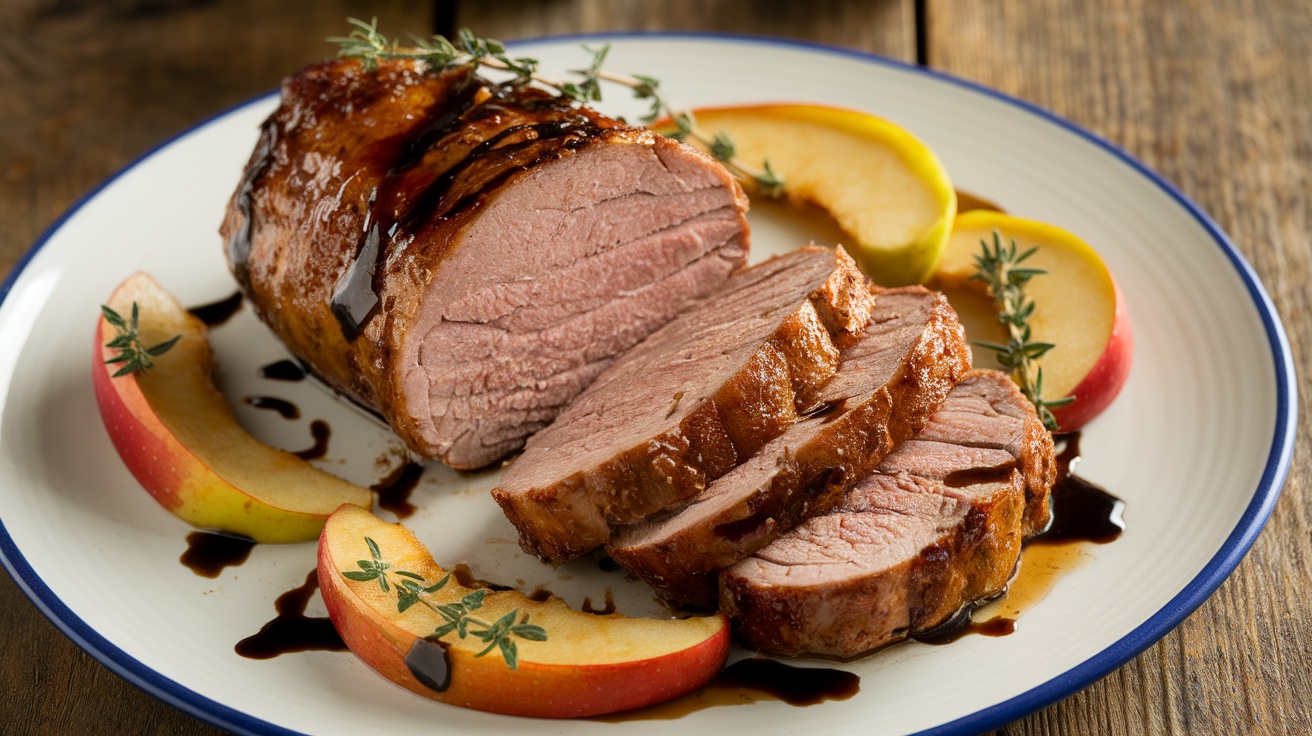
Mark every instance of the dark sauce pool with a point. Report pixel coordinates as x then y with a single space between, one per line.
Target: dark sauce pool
283 370
394 490
293 631
961 624
217 313
749 681
320 431
208 553
286 409
1081 511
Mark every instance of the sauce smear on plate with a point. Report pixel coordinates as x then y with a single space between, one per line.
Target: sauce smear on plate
293 631
209 552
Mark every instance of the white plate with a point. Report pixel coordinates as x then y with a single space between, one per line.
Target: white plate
1198 444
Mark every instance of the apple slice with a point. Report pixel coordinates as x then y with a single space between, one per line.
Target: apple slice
588 664
1078 308
884 188
178 436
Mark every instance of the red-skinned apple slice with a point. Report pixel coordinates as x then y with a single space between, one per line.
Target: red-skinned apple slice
588 664
1078 308
178 436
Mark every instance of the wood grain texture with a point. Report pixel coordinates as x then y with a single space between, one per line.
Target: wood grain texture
882 26
1215 96
88 87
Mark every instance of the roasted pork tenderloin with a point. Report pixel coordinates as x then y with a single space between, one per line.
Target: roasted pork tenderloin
692 401
889 381
465 257
938 527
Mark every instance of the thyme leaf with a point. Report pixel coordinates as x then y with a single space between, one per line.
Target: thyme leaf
132 353
412 589
365 43
999 268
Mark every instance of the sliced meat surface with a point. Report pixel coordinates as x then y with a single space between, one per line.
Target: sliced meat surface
465 257
937 527
890 379
686 405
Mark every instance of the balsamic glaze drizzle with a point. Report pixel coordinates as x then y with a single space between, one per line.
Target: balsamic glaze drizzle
283 370
394 490
209 552
320 431
293 631
216 313
239 242
410 198
285 408
960 624
1081 511
794 685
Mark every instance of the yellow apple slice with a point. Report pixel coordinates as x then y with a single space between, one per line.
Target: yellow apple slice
588 664
178 436
884 188
1078 308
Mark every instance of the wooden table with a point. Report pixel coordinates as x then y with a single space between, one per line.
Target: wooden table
1217 96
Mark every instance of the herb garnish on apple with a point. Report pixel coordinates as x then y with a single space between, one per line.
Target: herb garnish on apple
132 353
1003 275
410 590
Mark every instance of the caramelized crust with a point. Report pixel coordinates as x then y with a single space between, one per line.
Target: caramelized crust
464 257
695 399
891 378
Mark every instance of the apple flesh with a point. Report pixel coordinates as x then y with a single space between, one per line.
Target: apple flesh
588 665
1079 308
179 438
885 189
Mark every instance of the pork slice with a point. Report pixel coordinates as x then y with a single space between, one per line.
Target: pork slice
889 381
937 527
687 404
572 266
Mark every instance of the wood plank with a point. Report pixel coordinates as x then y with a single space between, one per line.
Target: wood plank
1215 96
88 87
885 26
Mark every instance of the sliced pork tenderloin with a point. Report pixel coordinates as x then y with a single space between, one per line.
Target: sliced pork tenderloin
686 405
889 381
465 257
937 527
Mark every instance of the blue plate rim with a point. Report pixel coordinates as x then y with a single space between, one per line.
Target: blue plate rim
1077 678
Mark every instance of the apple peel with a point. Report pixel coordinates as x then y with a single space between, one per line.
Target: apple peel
1079 309
588 664
177 434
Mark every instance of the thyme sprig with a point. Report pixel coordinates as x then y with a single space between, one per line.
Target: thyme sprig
133 354
412 588
1000 268
365 43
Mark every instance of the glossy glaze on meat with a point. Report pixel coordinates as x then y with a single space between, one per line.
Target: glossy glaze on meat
463 257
